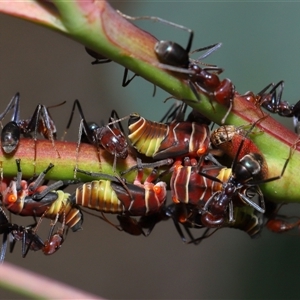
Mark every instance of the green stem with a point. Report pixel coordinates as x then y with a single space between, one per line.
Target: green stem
64 164
98 26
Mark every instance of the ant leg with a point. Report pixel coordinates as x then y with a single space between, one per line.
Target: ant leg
103 218
157 19
83 120
291 152
204 236
211 49
296 117
33 126
230 208
126 81
99 175
55 241
13 104
40 178
78 147
3 247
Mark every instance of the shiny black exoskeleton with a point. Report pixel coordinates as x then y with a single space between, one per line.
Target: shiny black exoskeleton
243 184
30 240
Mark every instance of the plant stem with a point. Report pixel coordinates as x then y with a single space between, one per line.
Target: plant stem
88 160
98 26
36 286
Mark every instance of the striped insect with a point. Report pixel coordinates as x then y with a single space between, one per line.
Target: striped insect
215 190
112 195
247 219
198 186
161 141
189 187
32 198
247 173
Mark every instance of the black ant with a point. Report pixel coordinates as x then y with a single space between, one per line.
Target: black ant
188 217
175 58
272 102
246 176
111 139
172 54
40 122
28 236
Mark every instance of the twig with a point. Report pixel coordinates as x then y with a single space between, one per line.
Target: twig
37 286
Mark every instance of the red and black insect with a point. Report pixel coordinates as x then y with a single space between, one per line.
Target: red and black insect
32 198
190 192
221 91
28 236
41 122
112 195
187 216
215 189
177 59
270 98
111 139
247 173
55 239
172 55
279 223
188 186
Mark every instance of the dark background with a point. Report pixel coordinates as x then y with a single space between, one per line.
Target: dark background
261 44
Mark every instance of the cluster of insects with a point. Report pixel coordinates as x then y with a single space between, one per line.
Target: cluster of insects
205 194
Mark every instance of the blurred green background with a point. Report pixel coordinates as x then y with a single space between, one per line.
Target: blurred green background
261 42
